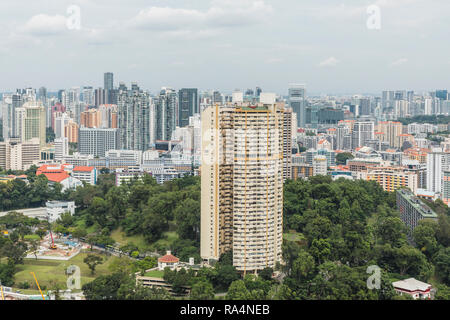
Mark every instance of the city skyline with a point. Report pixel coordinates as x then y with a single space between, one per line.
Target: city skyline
327 46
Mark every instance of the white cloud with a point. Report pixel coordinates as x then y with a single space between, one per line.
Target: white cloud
330 62
221 14
399 62
44 25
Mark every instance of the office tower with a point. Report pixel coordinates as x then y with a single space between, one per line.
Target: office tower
108 81
188 105
362 131
364 107
410 96
389 131
442 94
95 141
166 106
217 97
33 123
242 184
43 95
298 103
258 91
90 119
134 119
16 155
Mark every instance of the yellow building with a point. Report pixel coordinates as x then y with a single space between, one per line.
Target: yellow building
242 184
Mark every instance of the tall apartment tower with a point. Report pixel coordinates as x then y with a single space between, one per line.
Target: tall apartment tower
362 131
188 105
133 116
298 103
242 184
166 108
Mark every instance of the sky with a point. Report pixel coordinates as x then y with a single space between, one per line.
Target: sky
331 46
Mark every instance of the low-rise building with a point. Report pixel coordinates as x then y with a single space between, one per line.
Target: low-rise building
56 208
168 261
412 210
414 288
86 174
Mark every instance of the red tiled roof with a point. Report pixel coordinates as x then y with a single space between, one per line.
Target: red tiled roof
168 259
55 176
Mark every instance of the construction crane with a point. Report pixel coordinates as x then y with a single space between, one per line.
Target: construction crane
52 246
37 283
1 286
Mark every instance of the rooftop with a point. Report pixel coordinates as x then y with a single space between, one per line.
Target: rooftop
411 284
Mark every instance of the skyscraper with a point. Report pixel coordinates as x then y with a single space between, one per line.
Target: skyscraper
166 106
242 184
134 119
188 105
97 141
298 103
108 81
34 123
362 132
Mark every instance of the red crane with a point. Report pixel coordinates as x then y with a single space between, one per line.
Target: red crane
52 246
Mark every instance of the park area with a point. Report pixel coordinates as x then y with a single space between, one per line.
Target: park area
51 272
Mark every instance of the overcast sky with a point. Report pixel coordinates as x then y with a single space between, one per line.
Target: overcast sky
227 44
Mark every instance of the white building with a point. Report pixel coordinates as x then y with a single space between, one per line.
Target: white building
168 261
414 288
56 208
320 166
86 174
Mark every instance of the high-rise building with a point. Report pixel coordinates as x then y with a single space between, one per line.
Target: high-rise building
389 131
134 119
242 184
33 123
188 105
16 155
90 119
298 103
362 131
108 81
166 106
95 141
412 210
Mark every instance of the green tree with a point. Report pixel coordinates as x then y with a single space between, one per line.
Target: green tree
202 290
238 291
93 261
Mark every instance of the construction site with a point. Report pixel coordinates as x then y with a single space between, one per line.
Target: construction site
56 248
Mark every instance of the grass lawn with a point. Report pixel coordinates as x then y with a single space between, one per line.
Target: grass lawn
119 236
155 274
48 270
169 238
